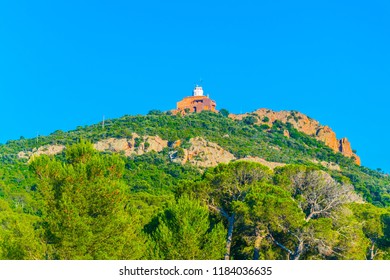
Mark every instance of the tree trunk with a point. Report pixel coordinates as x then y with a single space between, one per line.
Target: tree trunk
229 236
309 217
372 251
298 251
258 239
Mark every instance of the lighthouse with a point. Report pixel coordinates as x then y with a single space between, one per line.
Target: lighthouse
198 91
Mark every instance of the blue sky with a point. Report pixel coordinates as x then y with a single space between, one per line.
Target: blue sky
68 63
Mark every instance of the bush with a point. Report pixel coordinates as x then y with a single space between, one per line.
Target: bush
264 126
250 120
224 112
180 153
137 142
155 112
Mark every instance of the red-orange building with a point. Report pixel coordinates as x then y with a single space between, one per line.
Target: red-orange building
197 102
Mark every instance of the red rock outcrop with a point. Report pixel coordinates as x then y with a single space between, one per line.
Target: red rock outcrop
303 124
327 135
357 159
345 147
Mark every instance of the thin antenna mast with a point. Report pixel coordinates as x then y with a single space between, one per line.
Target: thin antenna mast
103 123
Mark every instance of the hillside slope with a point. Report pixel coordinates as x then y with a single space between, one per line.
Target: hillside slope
285 137
141 179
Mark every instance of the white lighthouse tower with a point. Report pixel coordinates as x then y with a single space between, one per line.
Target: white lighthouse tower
198 91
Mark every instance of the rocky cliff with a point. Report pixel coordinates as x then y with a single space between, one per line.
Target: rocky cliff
135 145
203 153
200 153
303 124
44 150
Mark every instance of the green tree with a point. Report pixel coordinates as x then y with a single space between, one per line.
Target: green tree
18 238
84 202
184 232
228 184
317 193
372 219
80 153
155 112
224 112
352 243
268 209
319 197
250 120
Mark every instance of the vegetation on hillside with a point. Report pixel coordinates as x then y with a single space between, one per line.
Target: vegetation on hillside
82 204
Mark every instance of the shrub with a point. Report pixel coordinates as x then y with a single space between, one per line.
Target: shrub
224 112
155 112
250 120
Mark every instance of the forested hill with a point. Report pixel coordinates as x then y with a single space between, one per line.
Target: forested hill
198 186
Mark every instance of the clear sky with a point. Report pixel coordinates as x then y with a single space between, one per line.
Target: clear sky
68 63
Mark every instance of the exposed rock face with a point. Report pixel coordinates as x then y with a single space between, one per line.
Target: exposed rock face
155 143
136 145
326 135
345 147
44 150
114 145
303 124
203 153
300 121
357 159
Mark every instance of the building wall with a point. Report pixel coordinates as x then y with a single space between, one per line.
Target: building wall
196 104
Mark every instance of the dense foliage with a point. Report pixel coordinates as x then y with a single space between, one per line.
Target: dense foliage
82 204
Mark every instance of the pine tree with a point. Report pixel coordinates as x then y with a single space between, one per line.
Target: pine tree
84 202
184 232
